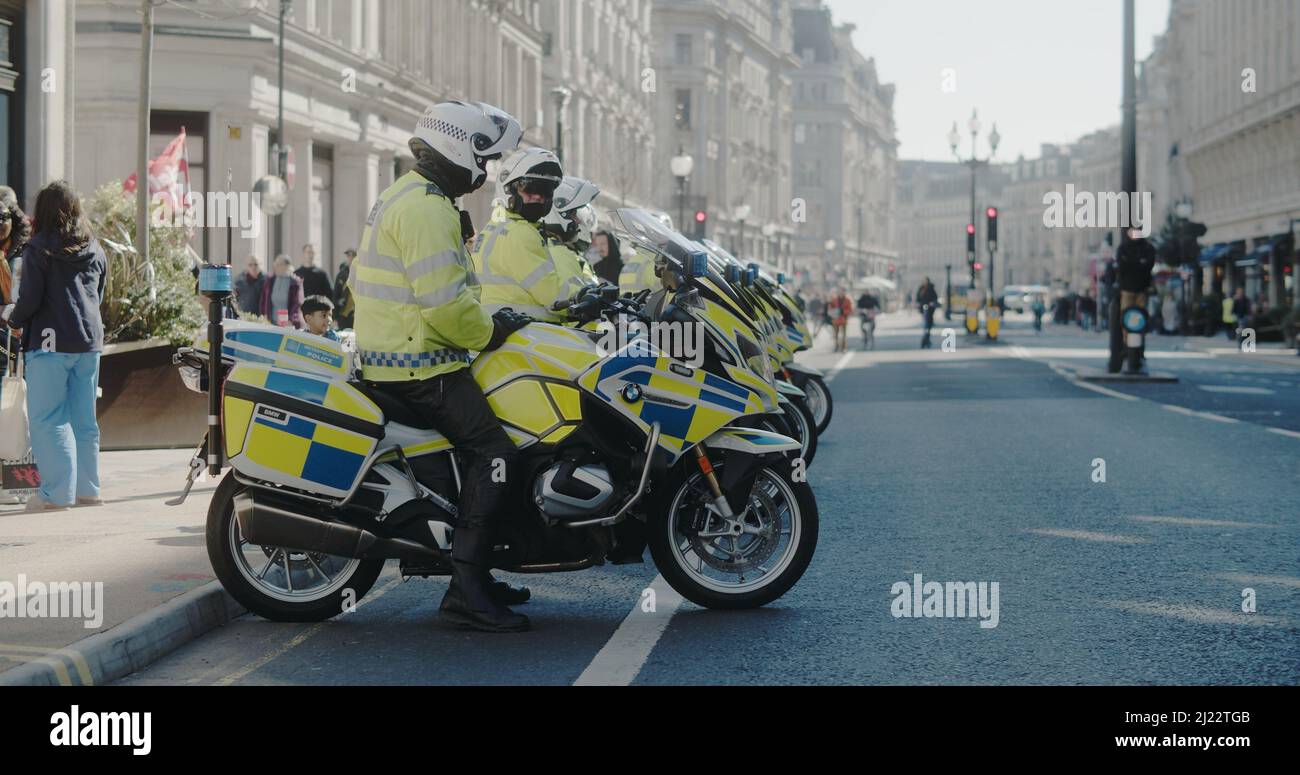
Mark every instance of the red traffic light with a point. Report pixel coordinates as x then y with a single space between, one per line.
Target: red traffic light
993 212
970 228
978 266
701 216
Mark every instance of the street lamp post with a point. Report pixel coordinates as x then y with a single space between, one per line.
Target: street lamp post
741 214
974 162
561 96
282 148
681 166
830 246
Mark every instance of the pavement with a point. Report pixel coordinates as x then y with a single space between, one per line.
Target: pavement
1125 527
143 553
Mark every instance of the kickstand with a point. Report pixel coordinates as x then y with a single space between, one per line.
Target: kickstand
196 469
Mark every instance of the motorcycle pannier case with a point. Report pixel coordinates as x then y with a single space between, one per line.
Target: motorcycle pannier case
297 429
284 348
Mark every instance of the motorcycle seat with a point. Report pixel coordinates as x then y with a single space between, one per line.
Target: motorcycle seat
394 407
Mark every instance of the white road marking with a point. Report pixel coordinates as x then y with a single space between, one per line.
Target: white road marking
1102 390
1202 415
1195 613
839 366
1283 432
1086 535
620 661
1199 522
1251 579
1253 391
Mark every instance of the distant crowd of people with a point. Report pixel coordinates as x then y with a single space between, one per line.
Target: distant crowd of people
302 298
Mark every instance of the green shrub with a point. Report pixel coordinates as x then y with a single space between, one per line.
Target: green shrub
143 300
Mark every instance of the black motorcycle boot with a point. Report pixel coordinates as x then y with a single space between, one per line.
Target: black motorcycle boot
504 594
469 602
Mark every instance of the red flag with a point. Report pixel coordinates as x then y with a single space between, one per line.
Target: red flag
169 174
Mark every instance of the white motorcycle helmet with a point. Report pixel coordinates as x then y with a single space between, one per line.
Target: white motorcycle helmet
541 173
465 135
566 218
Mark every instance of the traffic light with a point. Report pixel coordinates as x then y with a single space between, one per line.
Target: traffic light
701 219
970 242
992 230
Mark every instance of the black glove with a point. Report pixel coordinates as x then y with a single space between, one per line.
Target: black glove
504 323
586 308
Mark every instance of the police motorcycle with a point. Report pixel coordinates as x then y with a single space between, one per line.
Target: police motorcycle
796 419
807 378
328 478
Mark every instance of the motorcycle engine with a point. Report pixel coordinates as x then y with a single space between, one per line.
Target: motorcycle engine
568 491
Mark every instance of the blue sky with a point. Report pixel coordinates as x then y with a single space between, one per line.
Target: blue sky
1047 71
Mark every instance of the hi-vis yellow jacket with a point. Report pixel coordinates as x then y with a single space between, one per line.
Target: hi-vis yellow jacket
417 300
638 273
520 269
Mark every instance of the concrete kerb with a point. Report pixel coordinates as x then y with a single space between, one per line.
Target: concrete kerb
131 645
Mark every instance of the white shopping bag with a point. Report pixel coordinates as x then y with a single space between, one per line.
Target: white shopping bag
15 441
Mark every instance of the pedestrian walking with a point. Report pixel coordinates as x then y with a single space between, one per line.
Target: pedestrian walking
14 233
315 282
282 295
248 287
839 309
927 300
1237 313
63 279
817 314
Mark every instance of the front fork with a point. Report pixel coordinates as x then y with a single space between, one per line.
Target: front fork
731 525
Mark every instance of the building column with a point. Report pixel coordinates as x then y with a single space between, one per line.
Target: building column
297 217
50 77
370 10
358 165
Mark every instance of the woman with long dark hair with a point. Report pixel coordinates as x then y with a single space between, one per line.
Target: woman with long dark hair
63 276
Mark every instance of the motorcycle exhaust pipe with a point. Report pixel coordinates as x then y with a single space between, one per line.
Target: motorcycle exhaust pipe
271 524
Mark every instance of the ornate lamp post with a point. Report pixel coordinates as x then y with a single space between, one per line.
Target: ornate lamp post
681 166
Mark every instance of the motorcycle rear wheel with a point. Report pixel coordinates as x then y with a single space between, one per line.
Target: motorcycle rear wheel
278 583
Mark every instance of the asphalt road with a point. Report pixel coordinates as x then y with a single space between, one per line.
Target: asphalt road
970 466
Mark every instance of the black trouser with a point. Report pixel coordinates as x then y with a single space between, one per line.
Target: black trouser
456 407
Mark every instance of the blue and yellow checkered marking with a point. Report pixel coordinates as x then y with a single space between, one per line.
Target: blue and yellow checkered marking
308 450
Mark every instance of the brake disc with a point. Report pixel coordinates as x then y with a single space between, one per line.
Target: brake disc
750 550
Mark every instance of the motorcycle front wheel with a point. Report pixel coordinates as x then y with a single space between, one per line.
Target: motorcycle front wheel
731 571
819 401
278 583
